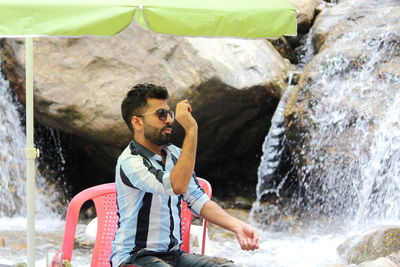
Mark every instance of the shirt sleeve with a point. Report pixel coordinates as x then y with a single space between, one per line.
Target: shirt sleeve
195 196
137 172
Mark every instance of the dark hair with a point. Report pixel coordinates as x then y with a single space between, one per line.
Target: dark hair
136 100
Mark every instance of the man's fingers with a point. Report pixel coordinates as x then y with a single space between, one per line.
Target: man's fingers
246 244
256 239
249 239
185 105
243 243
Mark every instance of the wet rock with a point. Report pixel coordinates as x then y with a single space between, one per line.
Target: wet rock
328 19
381 262
289 46
328 110
370 17
243 203
82 241
380 243
395 257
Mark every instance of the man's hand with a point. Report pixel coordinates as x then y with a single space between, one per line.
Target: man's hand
183 169
247 236
184 116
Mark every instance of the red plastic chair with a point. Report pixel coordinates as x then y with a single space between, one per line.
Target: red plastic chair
187 217
104 198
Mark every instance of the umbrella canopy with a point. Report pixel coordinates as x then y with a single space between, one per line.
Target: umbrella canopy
228 18
212 18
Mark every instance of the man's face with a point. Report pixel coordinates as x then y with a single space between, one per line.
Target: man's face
156 130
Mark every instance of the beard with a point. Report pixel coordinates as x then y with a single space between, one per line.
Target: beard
155 134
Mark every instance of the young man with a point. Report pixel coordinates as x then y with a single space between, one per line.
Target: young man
153 177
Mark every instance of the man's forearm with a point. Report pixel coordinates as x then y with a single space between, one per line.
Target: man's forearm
246 234
183 169
213 213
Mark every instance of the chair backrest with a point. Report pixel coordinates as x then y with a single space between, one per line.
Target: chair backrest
104 198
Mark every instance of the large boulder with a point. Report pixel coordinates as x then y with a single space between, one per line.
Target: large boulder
345 91
233 84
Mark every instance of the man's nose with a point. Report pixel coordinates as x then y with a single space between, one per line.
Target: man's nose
169 119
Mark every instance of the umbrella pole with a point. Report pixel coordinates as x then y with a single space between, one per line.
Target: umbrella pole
30 154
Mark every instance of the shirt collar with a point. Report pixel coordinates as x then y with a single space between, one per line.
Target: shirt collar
143 151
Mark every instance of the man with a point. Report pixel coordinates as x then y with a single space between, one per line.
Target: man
152 178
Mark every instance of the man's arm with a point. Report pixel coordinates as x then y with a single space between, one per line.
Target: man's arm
183 169
246 234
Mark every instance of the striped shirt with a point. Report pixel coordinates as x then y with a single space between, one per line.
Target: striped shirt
148 208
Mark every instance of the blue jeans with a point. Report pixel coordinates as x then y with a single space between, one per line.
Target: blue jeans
179 258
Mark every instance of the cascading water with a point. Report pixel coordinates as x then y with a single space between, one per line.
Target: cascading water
352 153
12 161
13 164
347 161
13 189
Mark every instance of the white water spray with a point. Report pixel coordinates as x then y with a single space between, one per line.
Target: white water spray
13 164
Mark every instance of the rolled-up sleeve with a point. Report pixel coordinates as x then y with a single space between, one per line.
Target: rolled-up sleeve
195 196
137 173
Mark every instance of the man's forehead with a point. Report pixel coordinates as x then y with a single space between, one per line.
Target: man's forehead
157 103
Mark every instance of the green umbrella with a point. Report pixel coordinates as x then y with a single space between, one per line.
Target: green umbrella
232 18
212 18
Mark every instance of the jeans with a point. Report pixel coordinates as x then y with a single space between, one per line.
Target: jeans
179 258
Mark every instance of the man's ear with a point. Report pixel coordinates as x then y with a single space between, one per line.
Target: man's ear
136 122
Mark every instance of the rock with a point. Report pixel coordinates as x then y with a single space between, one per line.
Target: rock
353 16
337 265
241 214
380 243
381 262
233 84
82 240
288 46
395 257
338 100
243 203
326 21
322 5
305 13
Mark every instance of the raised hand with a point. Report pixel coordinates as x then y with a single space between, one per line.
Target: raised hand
184 115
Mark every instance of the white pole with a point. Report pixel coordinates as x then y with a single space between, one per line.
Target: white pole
30 154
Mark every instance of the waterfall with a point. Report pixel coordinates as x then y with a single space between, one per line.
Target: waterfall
271 184
13 164
12 161
353 147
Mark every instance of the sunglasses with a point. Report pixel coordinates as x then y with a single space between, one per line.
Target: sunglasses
161 113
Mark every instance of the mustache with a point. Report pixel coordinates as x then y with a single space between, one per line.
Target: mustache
166 127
